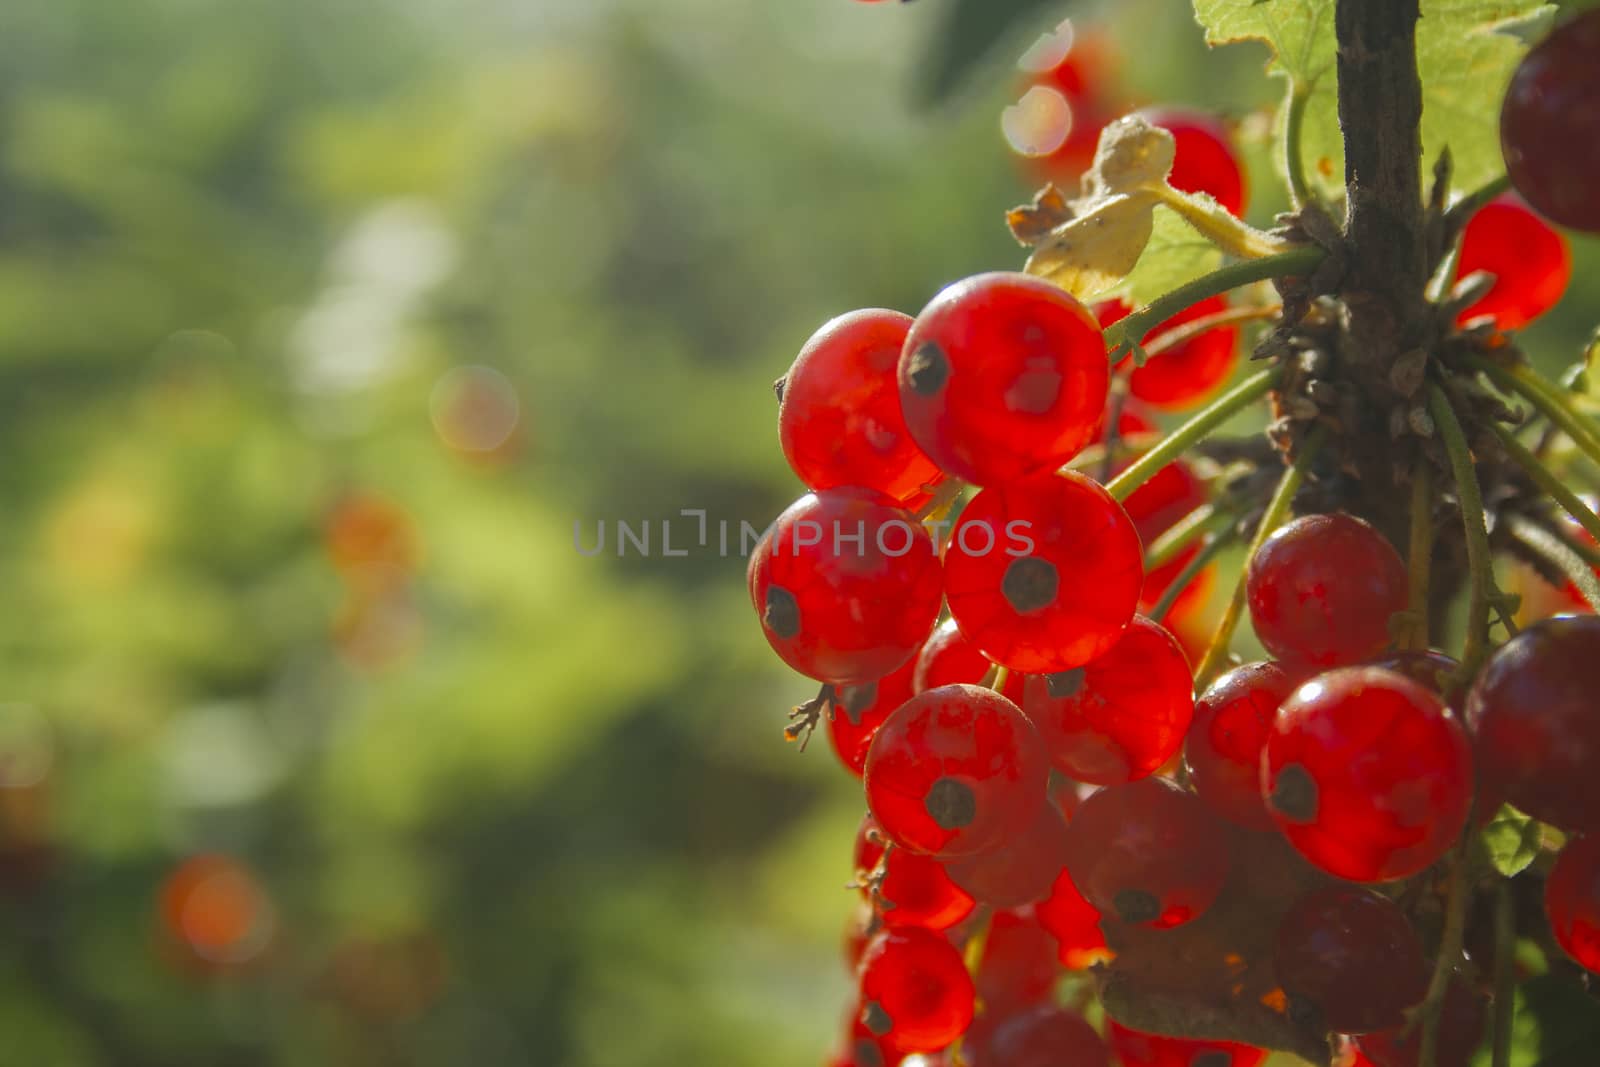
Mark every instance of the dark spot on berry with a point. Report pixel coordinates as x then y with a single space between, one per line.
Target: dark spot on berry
875 1019
1136 906
1295 795
1030 583
1066 684
867 1053
928 370
782 616
855 699
951 803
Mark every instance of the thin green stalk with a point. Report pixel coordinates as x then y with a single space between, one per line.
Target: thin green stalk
1002 675
1455 928
1169 339
1505 972
1201 522
1559 555
1547 480
1479 558
1419 557
1191 570
1192 432
1548 401
1125 334
1293 163
1277 511
1468 205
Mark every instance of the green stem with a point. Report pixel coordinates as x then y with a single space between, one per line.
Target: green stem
1557 553
1201 522
1127 333
1468 205
1479 558
1192 432
1419 557
1505 972
1455 928
1547 480
1191 570
1293 164
1551 403
1169 339
1277 510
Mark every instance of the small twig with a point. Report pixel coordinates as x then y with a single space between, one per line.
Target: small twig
1118 401
803 718
1547 481
1192 432
1553 404
1473 519
1556 552
1455 928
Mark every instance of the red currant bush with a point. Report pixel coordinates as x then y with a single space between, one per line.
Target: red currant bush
1003 375
1148 853
1368 774
1536 725
858 711
1043 574
1530 261
1043 1036
1550 129
847 586
1223 749
1204 159
1572 901
1350 957
1322 588
1121 716
915 990
956 770
839 420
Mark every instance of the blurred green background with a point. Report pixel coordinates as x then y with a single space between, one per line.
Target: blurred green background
322 322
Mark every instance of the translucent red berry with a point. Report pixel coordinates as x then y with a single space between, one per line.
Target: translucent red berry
1188 371
1349 960
1003 375
1461 1024
1041 1036
1430 669
915 989
1021 869
1223 748
1043 574
1147 852
1322 589
1123 714
840 422
858 711
1137 1049
1205 160
956 770
1018 965
1536 724
913 889
1550 128
1074 923
1368 774
847 586
1572 901
1530 261
949 658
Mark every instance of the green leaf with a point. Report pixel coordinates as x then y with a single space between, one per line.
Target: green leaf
1557 1024
1466 51
970 31
1175 254
1511 840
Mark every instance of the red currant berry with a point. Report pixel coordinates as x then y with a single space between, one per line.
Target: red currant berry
948 658
1043 574
858 711
1018 966
1205 160
1121 716
1322 588
1074 923
862 1048
1223 749
1530 261
914 890
1188 372
1550 128
915 989
847 587
1461 1023
1536 725
954 771
840 422
1042 1036
1572 901
1368 774
1430 669
1349 960
1136 1049
1003 375
1147 852
1022 869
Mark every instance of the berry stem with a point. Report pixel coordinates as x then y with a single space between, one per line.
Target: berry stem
1505 972
1546 399
1123 336
1212 545
1294 167
1547 481
1277 511
1192 432
1479 558
1204 521
1419 557
1195 327
1455 929
1559 555
1468 205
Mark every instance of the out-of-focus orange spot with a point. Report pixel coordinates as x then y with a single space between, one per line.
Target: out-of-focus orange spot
214 907
1276 1000
477 414
365 530
378 625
